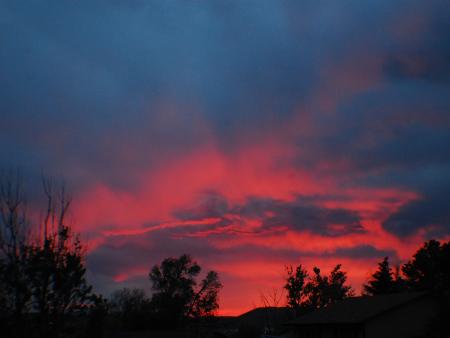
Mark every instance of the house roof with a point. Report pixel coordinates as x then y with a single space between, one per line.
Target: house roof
260 315
356 309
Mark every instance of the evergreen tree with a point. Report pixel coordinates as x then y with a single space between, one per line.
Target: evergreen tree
382 280
399 281
429 270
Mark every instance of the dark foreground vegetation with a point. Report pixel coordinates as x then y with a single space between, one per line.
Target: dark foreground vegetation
43 286
428 271
44 291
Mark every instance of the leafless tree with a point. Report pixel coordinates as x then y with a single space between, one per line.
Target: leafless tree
13 230
41 260
271 299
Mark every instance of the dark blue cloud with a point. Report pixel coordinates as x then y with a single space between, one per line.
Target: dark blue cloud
431 213
210 204
297 215
85 82
364 252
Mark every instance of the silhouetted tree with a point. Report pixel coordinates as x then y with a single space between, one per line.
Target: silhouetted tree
56 270
14 250
324 290
399 281
382 280
316 291
270 301
429 269
385 280
42 263
178 295
295 284
271 298
205 301
338 290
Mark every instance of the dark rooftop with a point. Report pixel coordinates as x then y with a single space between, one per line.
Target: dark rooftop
356 309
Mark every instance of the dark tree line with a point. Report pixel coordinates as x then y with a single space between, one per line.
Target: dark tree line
178 297
306 292
43 287
44 292
384 280
427 270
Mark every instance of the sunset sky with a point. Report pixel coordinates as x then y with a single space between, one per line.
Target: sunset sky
249 134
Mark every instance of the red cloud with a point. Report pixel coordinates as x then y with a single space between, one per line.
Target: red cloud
263 170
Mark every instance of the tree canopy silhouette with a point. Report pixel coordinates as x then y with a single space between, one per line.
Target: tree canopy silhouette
295 287
177 293
382 280
324 290
310 292
429 268
41 262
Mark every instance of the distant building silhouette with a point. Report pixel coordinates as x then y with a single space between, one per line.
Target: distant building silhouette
403 315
